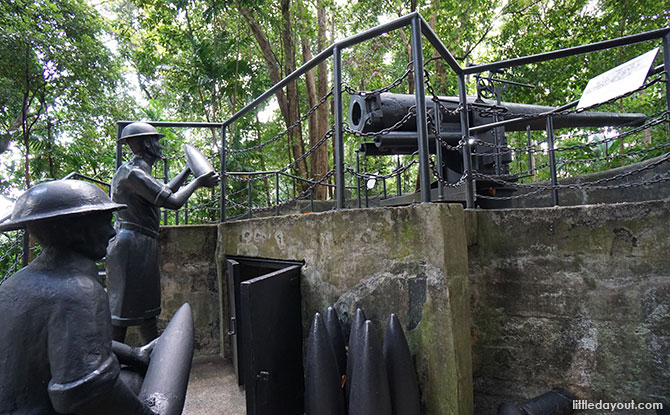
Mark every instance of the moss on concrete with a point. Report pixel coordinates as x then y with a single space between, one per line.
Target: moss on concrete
378 259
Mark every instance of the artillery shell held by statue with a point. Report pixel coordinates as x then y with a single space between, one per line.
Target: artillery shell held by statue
334 328
403 385
369 386
172 355
323 390
354 335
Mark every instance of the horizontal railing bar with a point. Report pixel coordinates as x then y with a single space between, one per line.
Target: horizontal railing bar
323 55
176 124
562 53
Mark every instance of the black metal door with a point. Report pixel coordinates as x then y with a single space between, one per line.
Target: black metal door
234 279
271 322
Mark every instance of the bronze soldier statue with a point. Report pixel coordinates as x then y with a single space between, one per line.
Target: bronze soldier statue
56 347
132 257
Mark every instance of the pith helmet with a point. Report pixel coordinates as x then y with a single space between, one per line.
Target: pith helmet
138 129
58 198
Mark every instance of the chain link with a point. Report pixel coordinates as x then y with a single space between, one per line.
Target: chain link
395 172
653 122
596 184
436 99
329 134
307 191
287 130
351 91
441 179
410 113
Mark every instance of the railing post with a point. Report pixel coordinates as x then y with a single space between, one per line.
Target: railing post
223 174
421 124
552 159
467 150
165 180
398 177
666 64
358 177
339 140
119 152
249 196
531 167
437 119
277 192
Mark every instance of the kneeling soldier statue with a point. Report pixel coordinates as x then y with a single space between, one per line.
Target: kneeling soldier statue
56 347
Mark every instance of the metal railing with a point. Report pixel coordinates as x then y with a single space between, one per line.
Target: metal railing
426 128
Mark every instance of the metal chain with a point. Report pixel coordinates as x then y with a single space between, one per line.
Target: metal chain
441 179
436 99
287 130
300 195
447 146
351 91
593 184
410 113
615 157
395 172
329 134
655 121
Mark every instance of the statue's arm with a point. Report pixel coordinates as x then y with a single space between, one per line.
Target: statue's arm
178 198
178 180
84 371
160 194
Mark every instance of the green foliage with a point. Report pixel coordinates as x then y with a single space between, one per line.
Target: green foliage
55 66
197 60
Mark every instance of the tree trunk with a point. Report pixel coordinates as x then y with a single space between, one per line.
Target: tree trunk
318 121
292 90
287 105
321 155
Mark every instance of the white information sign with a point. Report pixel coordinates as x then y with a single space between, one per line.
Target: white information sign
618 81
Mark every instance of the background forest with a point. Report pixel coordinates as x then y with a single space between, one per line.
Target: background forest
69 69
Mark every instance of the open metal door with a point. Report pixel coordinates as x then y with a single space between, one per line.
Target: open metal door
234 279
271 316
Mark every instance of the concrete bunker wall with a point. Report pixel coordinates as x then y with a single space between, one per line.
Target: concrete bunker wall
575 297
410 261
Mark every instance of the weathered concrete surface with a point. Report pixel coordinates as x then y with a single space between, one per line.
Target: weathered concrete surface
411 261
188 274
572 297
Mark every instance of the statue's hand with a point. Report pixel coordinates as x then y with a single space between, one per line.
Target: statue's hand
143 353
209 179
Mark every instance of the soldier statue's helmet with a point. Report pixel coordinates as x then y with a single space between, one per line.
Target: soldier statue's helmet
58 198
138 130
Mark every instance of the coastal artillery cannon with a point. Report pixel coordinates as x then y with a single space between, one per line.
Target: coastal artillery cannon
386 111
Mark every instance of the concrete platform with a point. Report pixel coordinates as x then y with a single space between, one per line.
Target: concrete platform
213 390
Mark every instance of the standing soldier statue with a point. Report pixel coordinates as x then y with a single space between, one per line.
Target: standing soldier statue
56 347
132 257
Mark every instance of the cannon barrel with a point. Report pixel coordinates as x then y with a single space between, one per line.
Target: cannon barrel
377 112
